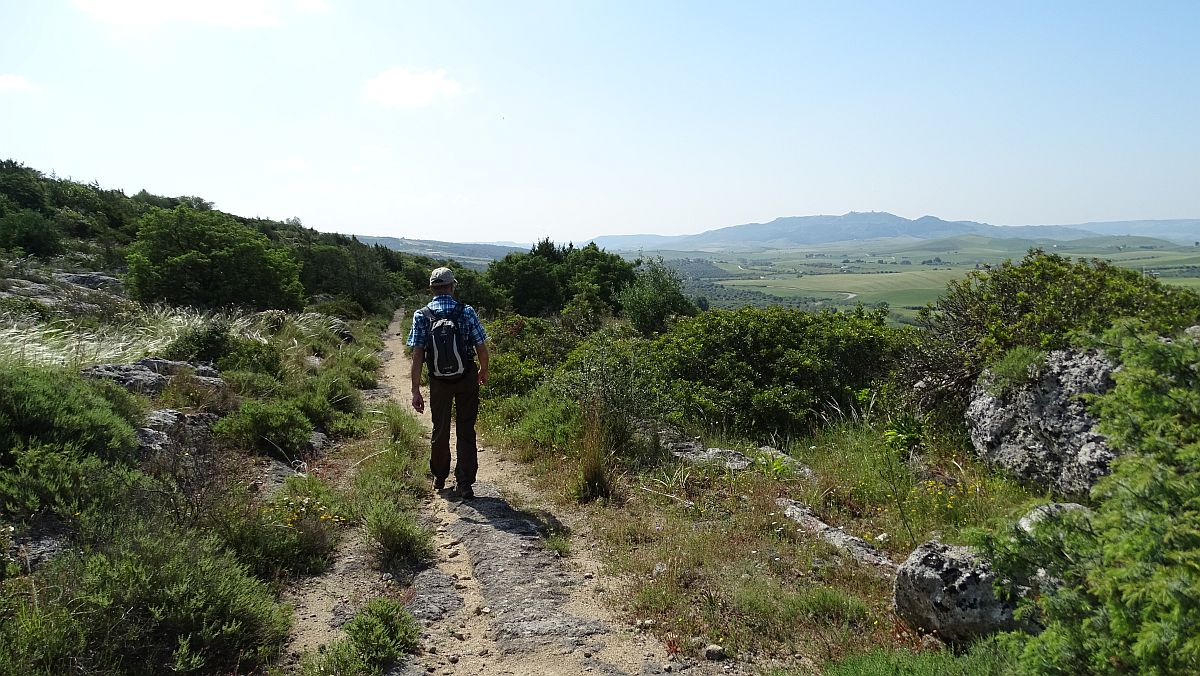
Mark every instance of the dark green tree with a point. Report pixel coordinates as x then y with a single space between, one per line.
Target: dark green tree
31 232
655 296
207 259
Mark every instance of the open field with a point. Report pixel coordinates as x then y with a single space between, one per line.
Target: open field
909 274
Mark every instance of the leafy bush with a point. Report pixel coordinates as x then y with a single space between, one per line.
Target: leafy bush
769 371
63 482
271 426
207 259
31 232
1124 594
188 392
253 355
1040 303
57 408
397 534
1018 366
655 297
153 601
509 375
207 343
254 384
339 658
540 422
383 631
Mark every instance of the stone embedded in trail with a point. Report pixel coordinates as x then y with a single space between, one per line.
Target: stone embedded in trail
436 596
948 591
854 546
1041 432
519 578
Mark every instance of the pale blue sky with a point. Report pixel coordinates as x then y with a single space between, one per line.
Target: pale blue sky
514 120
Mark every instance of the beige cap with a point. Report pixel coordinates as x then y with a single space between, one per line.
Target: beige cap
442 277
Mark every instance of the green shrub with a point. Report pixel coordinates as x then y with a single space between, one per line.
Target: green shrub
1018 366
397 534
255 356
207 343
151 602
767 371
31 232
46 406
270 426
349 426
1126 590
510 375
540 422
532 340
383 631
207 259
63 482
1039 302
343 307
339 658
655 297
253 384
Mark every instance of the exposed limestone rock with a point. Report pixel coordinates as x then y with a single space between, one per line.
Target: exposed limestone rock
694 452
1041 432
90 280
152 375
1049 510
947 591
854 546
45 538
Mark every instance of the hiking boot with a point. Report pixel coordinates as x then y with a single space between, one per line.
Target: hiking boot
466 493
439 483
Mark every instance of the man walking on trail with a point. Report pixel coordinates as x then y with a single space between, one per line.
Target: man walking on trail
446 335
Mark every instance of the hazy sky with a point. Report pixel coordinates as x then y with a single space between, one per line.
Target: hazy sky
512 120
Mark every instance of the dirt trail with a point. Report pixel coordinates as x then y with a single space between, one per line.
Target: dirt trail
496 601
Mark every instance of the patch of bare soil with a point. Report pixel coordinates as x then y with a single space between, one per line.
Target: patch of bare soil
497 601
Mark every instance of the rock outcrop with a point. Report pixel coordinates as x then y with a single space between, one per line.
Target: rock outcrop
947 591
693 452
1041 432
856 547
152 375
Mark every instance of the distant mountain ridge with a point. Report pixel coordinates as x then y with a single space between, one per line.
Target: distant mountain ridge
797 231
461 252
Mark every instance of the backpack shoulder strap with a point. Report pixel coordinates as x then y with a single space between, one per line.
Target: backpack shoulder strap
457 312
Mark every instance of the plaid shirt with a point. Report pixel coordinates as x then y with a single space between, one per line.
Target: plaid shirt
471 328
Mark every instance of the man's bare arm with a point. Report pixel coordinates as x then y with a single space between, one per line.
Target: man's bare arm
482 351
418 358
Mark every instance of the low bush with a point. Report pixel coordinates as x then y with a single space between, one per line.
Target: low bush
61 480
1039 302
510 375
31 232
188 392
293 533
763 372
383 631
540 423
208 343
396 533
253 384
272 427
153 601
255 356
47 406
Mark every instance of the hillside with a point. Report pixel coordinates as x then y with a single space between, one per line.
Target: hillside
797 231
467 253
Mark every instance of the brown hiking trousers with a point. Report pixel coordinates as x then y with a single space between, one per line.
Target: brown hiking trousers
463 397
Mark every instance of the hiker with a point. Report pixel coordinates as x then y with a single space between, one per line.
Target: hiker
446 335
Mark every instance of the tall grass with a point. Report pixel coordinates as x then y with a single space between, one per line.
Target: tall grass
146 333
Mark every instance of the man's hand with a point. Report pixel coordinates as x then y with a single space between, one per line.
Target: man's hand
418 402
483 375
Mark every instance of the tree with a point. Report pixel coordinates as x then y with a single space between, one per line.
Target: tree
207 259
31 232
655 296
529 283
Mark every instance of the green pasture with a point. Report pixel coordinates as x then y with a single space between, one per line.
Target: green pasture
898 289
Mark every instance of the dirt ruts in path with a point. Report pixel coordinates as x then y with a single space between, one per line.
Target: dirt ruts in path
496 601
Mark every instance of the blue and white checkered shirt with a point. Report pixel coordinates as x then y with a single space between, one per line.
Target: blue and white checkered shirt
471 327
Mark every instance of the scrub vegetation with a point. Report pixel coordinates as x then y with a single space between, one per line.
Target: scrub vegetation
174 556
